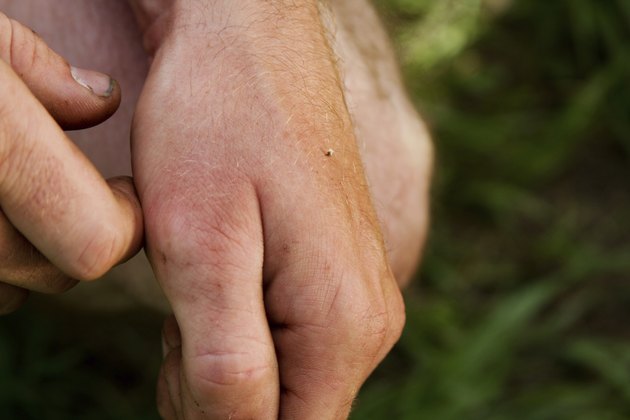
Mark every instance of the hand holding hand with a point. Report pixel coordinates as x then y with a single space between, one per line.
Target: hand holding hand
60 221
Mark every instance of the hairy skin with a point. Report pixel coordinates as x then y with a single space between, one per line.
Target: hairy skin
279 258
275 285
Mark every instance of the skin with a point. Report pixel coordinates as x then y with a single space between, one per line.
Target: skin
274 320
279 259
60 220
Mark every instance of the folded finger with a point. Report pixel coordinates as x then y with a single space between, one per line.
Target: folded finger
169 393
345 311
208 260
22 265
54 196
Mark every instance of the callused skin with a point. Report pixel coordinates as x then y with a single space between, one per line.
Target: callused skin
265 243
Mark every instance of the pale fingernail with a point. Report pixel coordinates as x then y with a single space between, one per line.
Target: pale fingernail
98 83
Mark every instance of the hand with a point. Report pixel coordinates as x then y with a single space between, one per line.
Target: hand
260 226
60 221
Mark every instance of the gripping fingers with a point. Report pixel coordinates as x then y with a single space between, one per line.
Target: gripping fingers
54 196
24 268
76 98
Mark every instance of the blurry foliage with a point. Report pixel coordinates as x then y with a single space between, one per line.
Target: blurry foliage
521 308
522 305
91 367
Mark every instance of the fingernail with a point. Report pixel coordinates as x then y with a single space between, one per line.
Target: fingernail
98 83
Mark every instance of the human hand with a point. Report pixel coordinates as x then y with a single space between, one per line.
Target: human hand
60 221
260 226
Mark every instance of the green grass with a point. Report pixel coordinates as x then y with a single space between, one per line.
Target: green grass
522 303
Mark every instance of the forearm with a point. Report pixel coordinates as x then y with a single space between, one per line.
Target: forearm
266 21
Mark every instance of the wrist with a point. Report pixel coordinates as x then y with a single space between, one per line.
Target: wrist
200 20
274 62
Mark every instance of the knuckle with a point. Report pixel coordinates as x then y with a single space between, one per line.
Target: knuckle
18 45
392 318
375 319
397 317
96 256
236 370
182 235
373 327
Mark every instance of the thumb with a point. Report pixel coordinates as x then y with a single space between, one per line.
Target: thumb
76 98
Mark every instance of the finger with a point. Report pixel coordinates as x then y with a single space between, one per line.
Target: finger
208 260
345 312
54 196
22 265
11 298
171 335
169 395
126 197
76 98
168 380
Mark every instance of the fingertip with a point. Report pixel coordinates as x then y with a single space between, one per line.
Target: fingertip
163 404
85 98
107 245
171 335
133 224
76 98
169 385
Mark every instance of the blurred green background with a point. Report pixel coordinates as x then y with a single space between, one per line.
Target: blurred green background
521 307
